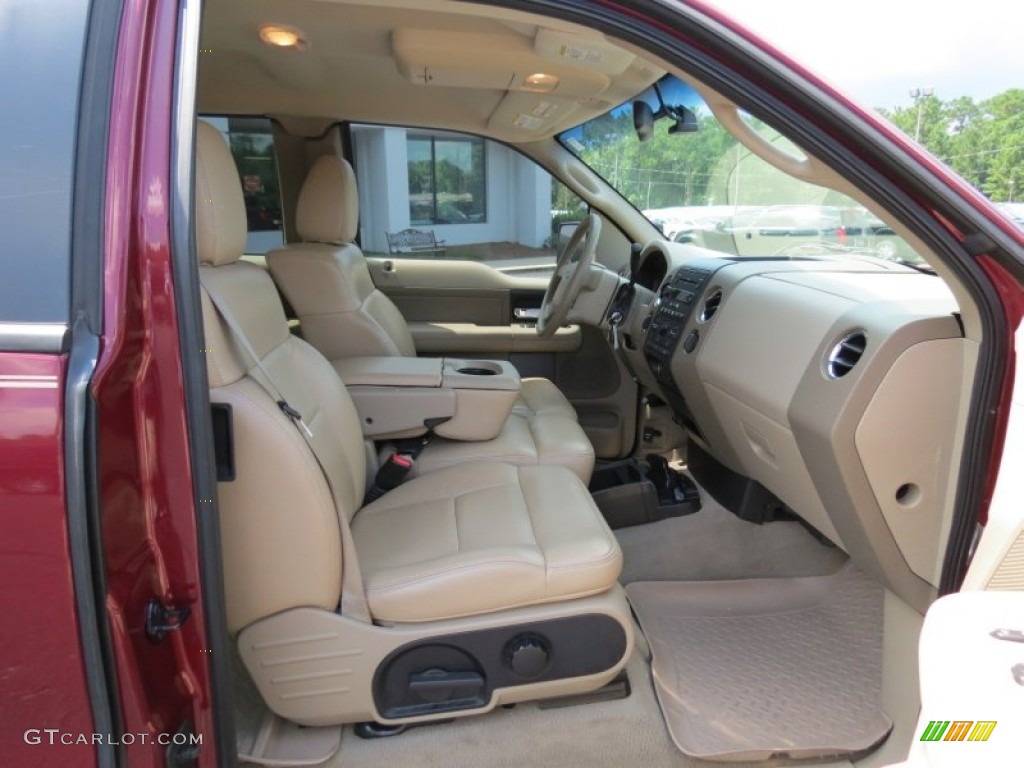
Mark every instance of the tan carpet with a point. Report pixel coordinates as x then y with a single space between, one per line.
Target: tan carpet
714 544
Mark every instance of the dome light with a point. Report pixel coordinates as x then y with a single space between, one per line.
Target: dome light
281 36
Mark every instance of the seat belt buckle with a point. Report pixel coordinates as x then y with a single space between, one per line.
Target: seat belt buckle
393 472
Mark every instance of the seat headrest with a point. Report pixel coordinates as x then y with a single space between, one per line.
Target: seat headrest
328 208
220 207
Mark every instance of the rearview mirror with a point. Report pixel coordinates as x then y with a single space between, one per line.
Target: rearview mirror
643 120
685 121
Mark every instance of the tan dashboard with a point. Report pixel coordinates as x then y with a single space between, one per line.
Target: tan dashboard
834 385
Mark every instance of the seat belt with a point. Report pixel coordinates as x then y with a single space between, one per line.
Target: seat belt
353 594
397 466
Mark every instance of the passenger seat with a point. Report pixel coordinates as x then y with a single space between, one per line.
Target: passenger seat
344 315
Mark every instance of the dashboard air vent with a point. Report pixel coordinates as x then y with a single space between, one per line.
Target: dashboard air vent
710 306
845 354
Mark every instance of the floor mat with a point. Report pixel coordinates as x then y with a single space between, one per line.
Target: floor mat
280 744
745 670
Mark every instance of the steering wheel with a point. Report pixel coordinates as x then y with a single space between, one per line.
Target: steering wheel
571 272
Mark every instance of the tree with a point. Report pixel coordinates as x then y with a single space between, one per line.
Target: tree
1004 136
983 142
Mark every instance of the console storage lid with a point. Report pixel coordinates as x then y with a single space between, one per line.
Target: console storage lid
400 397
390 371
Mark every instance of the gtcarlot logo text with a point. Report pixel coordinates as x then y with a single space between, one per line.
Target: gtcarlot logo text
56 737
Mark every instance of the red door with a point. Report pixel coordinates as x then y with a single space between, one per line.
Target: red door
104 649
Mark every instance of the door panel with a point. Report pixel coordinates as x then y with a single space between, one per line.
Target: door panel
473 310
391 273
452 306
449 338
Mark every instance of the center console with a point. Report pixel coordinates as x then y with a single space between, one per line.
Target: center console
675 305
673 325
400 397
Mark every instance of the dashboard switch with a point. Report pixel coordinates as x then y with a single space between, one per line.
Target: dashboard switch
691 341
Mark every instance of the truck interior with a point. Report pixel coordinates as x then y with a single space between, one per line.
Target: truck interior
654 497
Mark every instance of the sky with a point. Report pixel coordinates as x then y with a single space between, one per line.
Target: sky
877 50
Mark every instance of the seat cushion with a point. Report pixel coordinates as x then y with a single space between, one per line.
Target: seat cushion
482 537
540 397
554 440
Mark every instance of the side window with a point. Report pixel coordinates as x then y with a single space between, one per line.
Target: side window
40 73
443 195
447 180
252 144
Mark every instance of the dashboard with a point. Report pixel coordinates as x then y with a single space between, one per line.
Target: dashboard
834 384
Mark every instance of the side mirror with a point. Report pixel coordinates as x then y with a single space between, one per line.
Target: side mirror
643 120
635 249
565 232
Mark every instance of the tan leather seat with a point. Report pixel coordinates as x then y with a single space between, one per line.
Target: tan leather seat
477 540
343 314
523 532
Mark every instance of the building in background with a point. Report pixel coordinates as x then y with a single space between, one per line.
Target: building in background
465 189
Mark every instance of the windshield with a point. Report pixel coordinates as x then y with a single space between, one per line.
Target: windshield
697 184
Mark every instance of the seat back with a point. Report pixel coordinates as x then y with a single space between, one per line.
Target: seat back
325 278
280 533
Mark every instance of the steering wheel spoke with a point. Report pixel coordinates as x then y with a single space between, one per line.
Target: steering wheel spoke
569 276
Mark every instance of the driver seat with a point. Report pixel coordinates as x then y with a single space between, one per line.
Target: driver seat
326 280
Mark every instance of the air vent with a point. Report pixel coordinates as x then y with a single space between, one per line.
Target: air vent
710 306
845 354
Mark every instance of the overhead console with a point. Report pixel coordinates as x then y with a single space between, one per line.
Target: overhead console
552 79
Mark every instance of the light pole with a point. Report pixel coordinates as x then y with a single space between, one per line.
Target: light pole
917 94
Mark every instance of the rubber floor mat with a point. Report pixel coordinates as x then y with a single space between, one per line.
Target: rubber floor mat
747 670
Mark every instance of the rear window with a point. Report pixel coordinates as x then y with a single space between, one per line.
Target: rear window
40 68
252 144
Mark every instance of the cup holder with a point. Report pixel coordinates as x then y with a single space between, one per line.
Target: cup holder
477 367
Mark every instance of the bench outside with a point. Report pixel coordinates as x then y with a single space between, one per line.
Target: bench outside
415 241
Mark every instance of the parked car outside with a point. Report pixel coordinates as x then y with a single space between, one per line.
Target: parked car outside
1014 210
